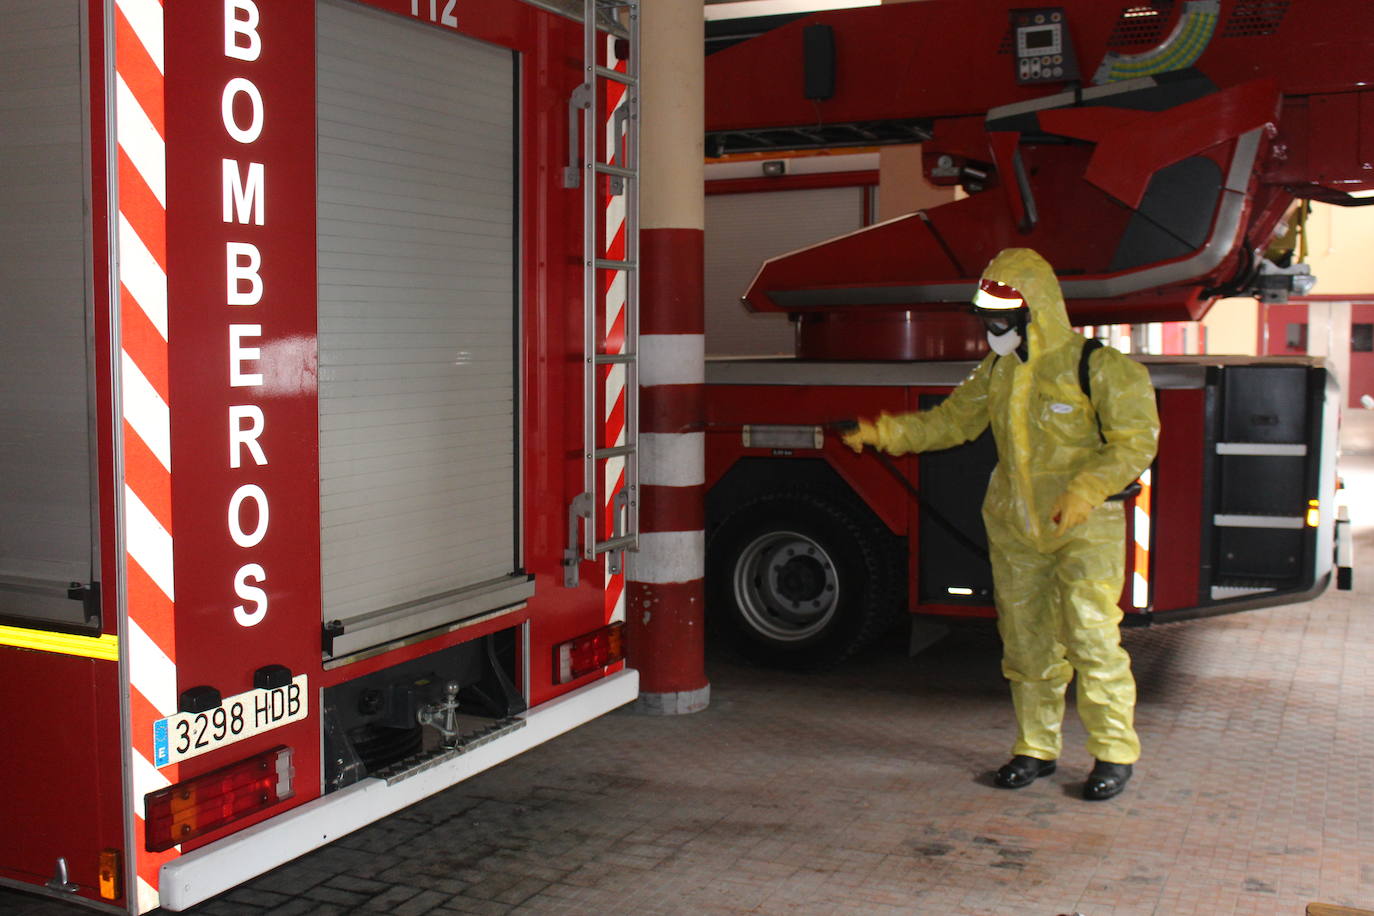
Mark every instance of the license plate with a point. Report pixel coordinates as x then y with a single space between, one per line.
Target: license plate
190 734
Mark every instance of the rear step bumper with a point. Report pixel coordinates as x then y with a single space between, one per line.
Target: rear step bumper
214 869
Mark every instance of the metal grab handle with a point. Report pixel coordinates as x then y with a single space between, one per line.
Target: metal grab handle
579 101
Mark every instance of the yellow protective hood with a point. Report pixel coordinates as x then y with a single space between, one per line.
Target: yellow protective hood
1026 271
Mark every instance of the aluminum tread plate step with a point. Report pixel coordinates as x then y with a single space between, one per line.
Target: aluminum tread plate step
426 760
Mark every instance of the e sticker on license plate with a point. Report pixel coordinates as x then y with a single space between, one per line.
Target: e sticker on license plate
190 734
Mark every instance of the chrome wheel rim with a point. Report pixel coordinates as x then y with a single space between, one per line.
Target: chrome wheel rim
786 586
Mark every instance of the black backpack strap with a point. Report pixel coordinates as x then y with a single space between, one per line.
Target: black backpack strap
1084 380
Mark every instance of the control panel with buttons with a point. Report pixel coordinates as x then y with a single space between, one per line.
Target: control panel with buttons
1044 53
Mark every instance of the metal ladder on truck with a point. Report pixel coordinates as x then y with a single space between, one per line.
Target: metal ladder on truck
607 107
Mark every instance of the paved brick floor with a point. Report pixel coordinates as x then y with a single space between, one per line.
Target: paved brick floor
867 790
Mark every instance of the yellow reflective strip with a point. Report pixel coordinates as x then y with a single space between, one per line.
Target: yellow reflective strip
104 647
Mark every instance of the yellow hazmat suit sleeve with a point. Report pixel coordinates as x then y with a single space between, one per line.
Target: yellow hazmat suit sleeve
1125 403
957 419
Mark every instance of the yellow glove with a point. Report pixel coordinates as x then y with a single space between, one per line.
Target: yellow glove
863 434
1070 509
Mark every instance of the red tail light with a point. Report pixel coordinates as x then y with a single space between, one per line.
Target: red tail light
197 806
587 653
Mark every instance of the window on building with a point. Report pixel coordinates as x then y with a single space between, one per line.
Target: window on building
1296 338
1362 338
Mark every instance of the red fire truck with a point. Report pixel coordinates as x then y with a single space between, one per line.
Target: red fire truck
305 304
1150 151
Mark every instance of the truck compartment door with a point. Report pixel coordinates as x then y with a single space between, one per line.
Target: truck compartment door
954 481
419 439
1265 464
60 713
46 440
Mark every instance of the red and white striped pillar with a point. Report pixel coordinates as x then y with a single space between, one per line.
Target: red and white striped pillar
665 613
148 638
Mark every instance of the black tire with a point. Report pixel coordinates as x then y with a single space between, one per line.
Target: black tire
802 579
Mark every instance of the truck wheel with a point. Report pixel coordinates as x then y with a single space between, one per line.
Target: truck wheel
802 579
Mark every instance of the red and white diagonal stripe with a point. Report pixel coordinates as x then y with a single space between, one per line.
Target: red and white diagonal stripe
1140 575
140 131
614 286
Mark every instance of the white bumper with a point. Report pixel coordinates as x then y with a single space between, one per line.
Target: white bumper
214 869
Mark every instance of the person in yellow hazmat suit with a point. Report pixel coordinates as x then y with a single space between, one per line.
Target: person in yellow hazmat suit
1056 538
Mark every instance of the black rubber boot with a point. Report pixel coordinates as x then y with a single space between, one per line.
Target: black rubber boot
1106 780
1021 771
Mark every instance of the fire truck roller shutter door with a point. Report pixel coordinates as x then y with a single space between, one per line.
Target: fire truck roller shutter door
743 231
45 422
417 325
